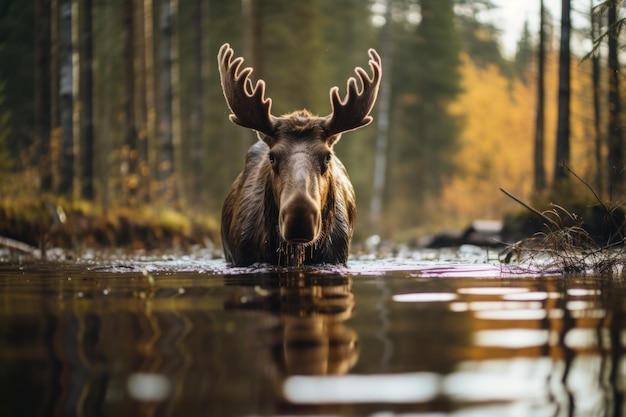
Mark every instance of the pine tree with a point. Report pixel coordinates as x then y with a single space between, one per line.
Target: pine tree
479 38
524 53
426 79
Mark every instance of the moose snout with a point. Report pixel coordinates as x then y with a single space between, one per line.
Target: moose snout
300 220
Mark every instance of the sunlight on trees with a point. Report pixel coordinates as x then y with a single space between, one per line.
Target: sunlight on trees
461 116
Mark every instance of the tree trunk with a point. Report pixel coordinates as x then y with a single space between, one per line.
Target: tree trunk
86 99
131 153
563 117
615 145
109 176
384 98
151 100
54 64
66 160
165 164
195 177
42 92
539 167
595 77
252 33
141 112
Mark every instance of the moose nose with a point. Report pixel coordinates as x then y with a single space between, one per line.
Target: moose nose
300 221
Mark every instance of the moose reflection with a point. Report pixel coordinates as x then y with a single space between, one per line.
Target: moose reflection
293 203
309 338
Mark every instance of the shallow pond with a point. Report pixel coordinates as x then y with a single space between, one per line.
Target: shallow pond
186 337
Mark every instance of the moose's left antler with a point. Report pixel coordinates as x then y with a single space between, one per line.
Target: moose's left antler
353 112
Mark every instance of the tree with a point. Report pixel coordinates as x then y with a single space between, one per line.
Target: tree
196 129
165 164
66 85
131 152
86 98
380 161
595 77
539 172
615 140
43 93
563 121
523 55
17 71
425 133
479 38
5 128
150 97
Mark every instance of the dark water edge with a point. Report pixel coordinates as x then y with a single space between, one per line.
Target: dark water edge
430 333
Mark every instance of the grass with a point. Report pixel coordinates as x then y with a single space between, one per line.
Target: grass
568 244
41 223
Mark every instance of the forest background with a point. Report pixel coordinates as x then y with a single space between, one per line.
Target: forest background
117 105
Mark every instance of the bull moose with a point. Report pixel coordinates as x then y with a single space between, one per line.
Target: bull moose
293 203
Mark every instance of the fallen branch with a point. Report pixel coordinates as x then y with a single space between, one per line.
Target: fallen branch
532 209
17 245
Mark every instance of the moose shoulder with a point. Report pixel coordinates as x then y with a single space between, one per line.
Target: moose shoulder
293 203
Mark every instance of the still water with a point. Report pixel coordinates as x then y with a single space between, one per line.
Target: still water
184 337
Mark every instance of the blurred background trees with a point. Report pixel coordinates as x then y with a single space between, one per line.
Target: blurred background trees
119 102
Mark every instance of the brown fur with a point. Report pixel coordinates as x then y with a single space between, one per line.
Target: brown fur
293 203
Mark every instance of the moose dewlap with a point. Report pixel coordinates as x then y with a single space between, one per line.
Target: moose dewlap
293 203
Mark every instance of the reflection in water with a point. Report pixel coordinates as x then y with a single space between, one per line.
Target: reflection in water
309 338
392 388
79 342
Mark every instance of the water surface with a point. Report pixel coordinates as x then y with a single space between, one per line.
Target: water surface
419 337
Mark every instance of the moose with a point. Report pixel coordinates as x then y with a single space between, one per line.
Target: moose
293 203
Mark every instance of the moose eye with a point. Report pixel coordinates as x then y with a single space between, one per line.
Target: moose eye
273 162
326 161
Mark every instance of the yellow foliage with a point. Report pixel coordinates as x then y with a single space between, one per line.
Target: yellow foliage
496 146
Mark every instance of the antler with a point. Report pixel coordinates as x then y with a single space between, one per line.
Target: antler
248 104
353 112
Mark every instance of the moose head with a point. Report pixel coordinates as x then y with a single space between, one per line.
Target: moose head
293 202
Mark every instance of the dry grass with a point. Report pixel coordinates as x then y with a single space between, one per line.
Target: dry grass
565 246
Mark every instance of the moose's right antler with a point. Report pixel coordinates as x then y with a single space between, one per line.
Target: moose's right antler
248 104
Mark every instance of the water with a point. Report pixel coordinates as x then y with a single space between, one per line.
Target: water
411 337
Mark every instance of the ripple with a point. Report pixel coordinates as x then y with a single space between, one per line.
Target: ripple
424 297
522 314
491 290
511 338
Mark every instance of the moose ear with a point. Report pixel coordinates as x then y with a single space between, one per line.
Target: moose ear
332 139
265 138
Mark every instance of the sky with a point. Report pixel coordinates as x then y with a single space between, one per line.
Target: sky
510 16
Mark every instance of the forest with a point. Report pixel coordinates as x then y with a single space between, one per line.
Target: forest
113 105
